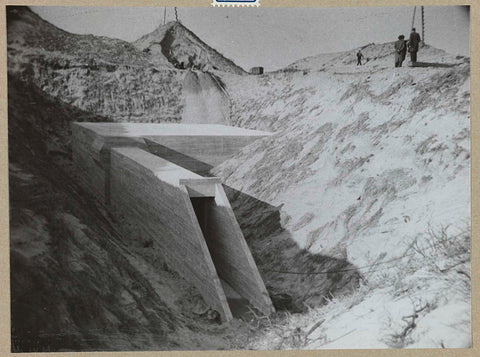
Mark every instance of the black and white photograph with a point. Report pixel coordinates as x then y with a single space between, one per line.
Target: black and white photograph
239 177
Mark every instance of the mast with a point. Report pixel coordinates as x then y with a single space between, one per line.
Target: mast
413 19
423 26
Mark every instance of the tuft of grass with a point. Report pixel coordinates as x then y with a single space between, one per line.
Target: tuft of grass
438 258
286 331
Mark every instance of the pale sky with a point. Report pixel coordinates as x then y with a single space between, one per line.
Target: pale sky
274 37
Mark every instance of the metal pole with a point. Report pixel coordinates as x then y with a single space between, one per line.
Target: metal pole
423 26
413 19
164 14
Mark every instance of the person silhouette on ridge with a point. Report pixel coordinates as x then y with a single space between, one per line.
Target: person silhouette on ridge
400 51
413 45
359 57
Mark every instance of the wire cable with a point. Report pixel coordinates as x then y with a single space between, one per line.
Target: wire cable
348 269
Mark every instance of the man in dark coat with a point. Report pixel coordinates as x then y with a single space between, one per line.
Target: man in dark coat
413 45
359 58
400 51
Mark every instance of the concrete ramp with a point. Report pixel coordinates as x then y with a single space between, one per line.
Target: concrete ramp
188 215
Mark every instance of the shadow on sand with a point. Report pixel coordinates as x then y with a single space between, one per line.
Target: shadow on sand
294 277
432 64
55 307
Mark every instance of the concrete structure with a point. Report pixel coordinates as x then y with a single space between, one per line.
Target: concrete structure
256 70
201 153
142 173
197 147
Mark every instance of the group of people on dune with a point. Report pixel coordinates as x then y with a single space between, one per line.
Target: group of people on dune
401 48
402 45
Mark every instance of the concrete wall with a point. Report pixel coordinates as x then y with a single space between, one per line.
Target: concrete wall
231 255
198 153
188 215
91 157
195 147
145 196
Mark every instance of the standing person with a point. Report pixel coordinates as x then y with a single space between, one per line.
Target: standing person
405 47
413 45
400 51
359 57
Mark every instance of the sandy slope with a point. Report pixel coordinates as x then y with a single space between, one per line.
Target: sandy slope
364 161
205 99
134 82
350 145
183 48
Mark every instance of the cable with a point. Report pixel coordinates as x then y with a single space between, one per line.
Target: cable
342 270
345 270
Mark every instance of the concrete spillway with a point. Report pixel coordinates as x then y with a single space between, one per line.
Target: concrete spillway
143 174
